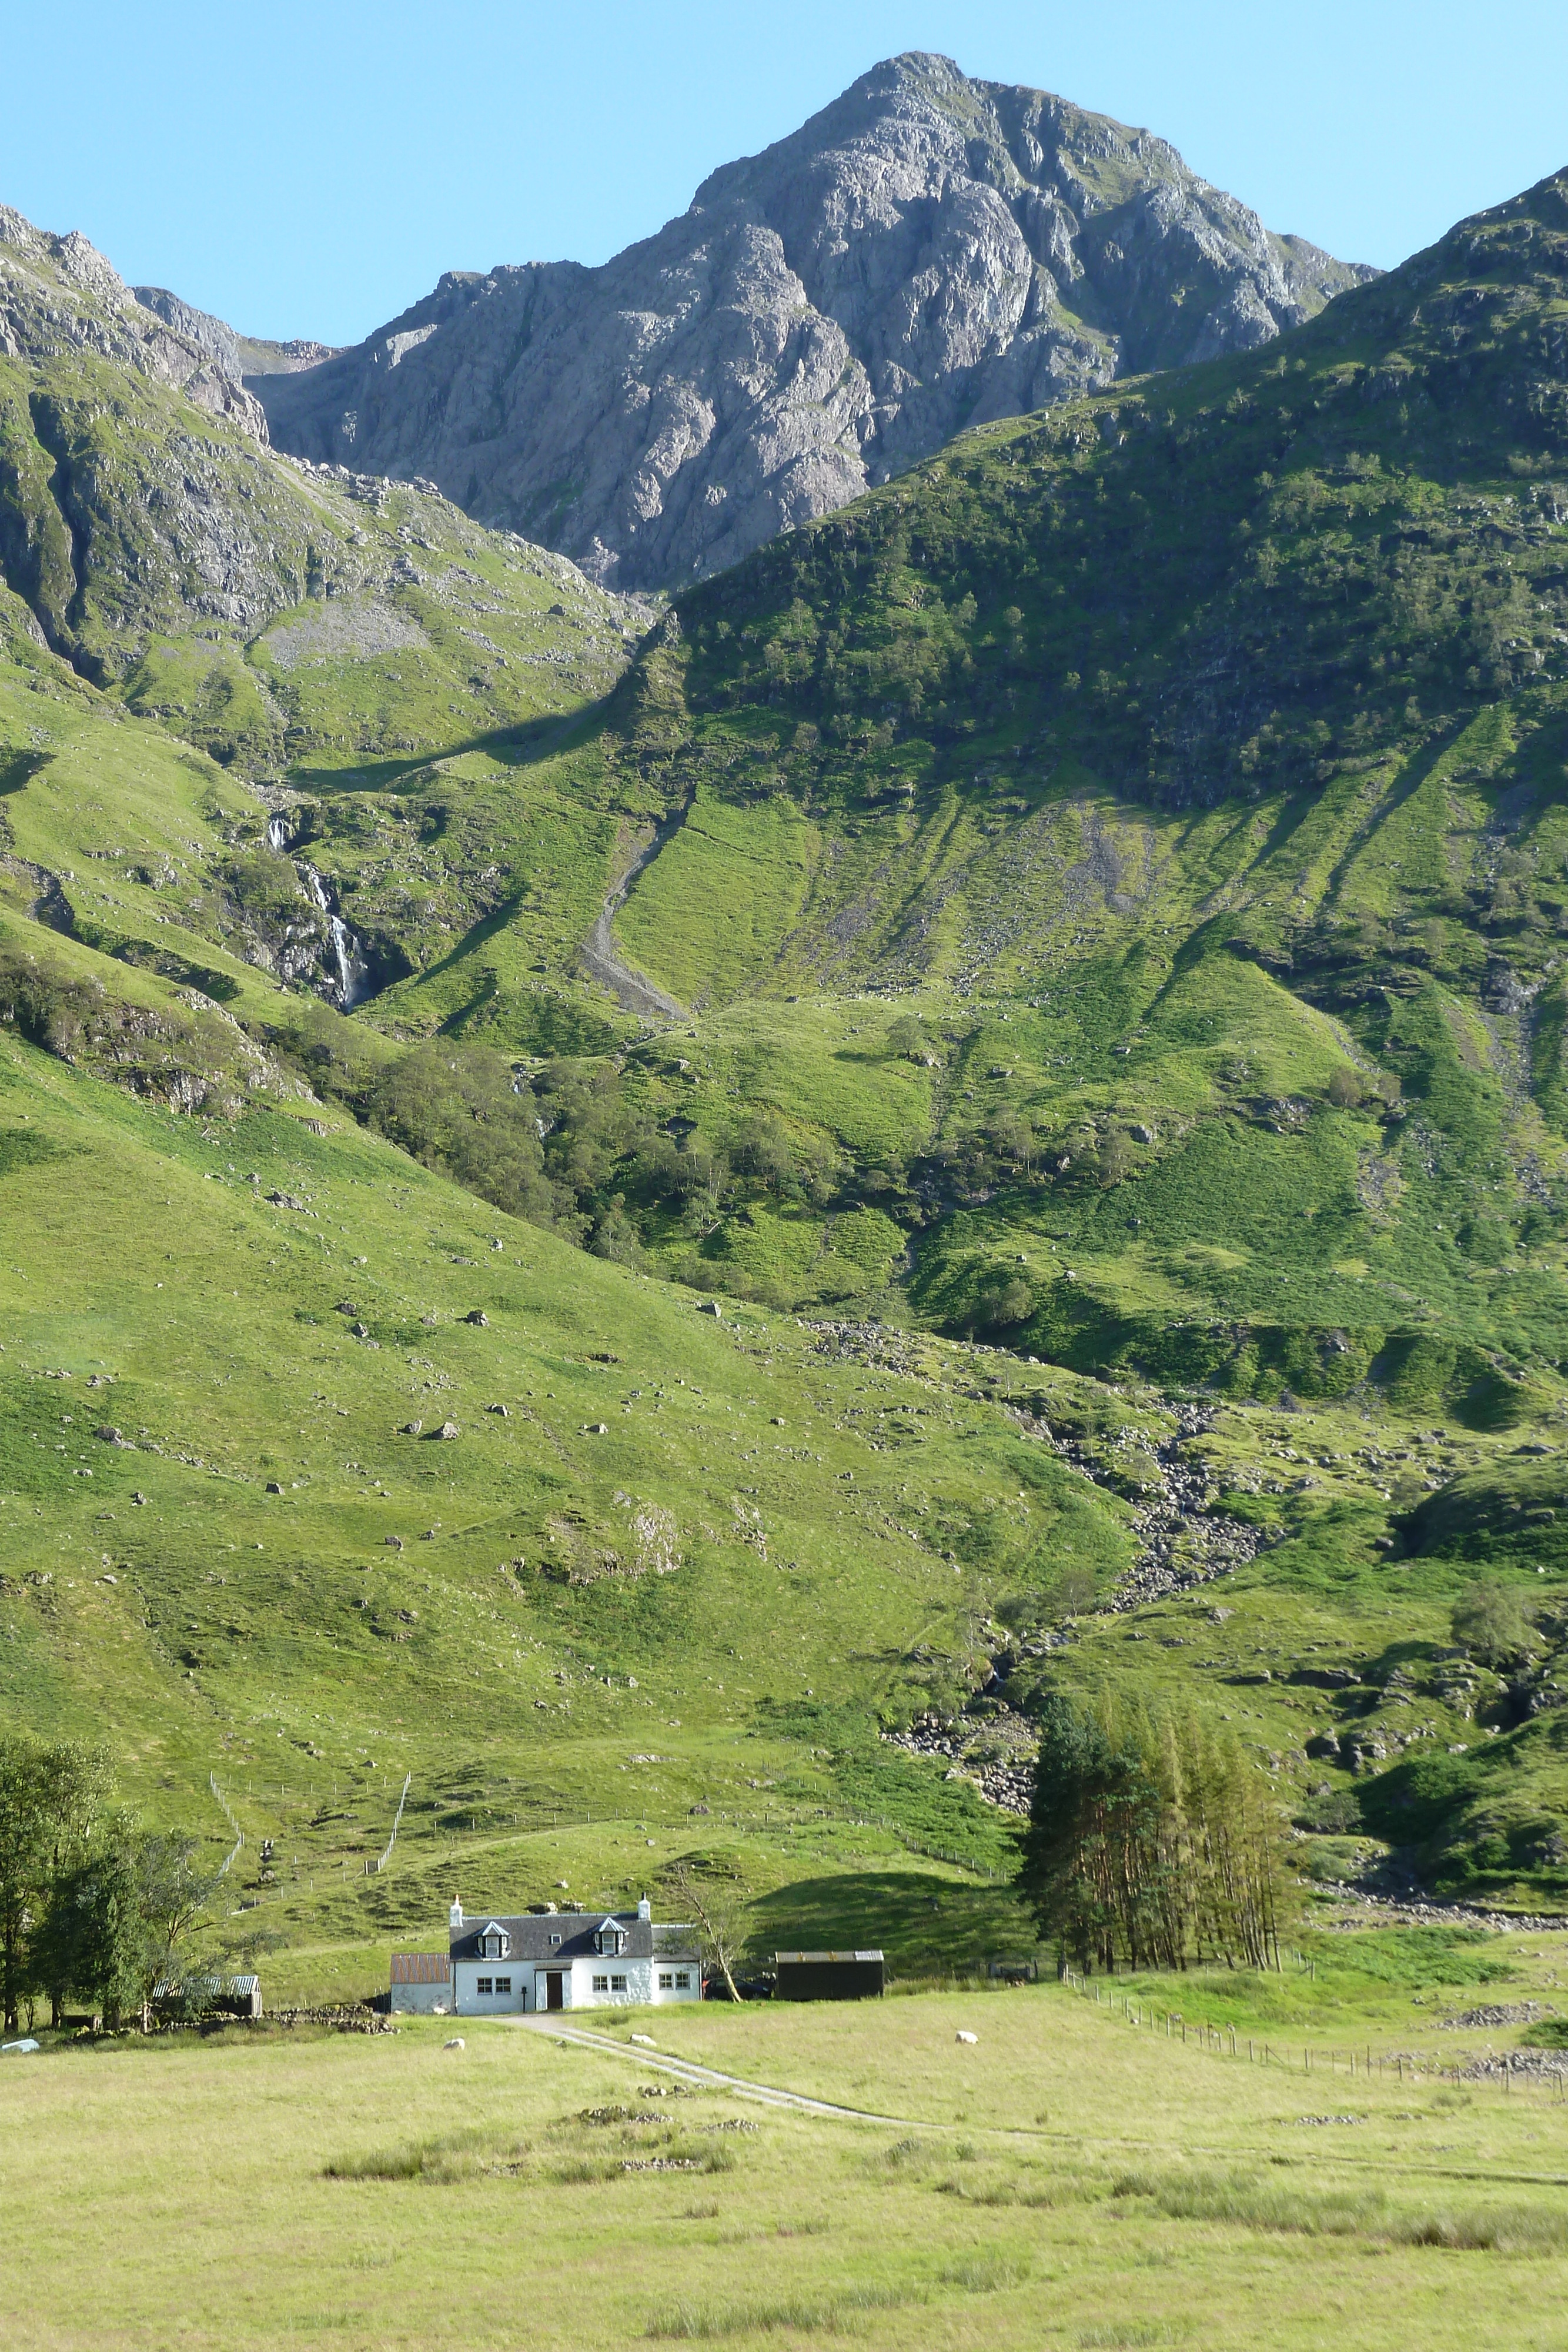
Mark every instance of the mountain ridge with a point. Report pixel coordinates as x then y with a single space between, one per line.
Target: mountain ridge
925 252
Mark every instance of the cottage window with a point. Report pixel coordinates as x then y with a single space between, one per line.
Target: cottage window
666 1981
502 1984
617 1984
555 1939
682 1979
483 1985
601 1984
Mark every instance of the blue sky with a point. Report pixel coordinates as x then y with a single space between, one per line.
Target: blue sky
310 169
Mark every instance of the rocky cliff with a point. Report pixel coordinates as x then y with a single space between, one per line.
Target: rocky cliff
927 253
238 355
59 298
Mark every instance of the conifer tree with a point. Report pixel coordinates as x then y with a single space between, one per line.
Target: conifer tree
1152 1842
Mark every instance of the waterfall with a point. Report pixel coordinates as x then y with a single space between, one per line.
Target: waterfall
353 970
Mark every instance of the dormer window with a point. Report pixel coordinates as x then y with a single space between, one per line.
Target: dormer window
495 1943
611 1940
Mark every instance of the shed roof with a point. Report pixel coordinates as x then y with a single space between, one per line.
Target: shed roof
420 1967
786 1959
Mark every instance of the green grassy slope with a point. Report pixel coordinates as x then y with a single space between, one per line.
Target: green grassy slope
1190 763
266 1575
1114 878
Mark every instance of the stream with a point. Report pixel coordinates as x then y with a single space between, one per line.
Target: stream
353 969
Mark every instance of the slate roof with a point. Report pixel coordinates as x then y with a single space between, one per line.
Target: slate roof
550 1938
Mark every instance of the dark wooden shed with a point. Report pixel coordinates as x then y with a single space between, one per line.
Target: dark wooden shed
827 1976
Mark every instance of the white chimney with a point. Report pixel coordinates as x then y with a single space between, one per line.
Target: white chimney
456 1915
644 1909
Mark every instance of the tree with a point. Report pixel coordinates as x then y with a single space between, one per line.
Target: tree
464 1112
172 1892
765 1149
1151 1840
1489 1621
93 1938
615 1236
906 1038
1003 1306
722 1913
1114 1159
1346 1088
116 1920
1011 1138
49 1800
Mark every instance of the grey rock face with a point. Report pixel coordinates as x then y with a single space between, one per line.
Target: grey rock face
928 253
58 295
238 355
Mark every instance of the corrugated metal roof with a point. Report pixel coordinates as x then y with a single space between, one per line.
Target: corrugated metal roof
206 1988
420 1967
782 1960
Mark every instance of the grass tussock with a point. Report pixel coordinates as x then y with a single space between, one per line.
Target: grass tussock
462 2156
1036 2191
991 2273
1348 2213
984 2273
714 2322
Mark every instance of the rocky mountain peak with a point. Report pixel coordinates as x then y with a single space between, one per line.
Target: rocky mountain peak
60 294
927 252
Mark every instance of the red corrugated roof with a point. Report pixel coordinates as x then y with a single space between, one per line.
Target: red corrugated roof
420 1967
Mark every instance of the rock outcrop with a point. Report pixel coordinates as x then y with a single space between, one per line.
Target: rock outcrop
238 355
927 253
59 296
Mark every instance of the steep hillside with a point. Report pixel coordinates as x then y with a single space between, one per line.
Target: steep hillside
1189 766
1065 954
151 537
926 252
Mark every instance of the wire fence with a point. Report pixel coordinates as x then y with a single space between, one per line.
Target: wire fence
222 1804
385 1855
1361 2065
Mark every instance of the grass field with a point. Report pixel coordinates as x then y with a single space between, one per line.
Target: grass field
1067 2181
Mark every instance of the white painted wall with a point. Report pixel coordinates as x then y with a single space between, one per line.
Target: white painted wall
647 1984
422 1999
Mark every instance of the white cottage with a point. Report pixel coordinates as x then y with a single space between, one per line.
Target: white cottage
570 1959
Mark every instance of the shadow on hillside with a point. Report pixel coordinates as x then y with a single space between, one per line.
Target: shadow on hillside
927 1925
522 746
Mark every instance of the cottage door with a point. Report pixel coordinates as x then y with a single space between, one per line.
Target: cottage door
554 1998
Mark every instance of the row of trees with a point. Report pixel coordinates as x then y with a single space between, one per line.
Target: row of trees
92 1906
1152 1842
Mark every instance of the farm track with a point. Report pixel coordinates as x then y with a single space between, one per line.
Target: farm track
708 2078
771 2094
